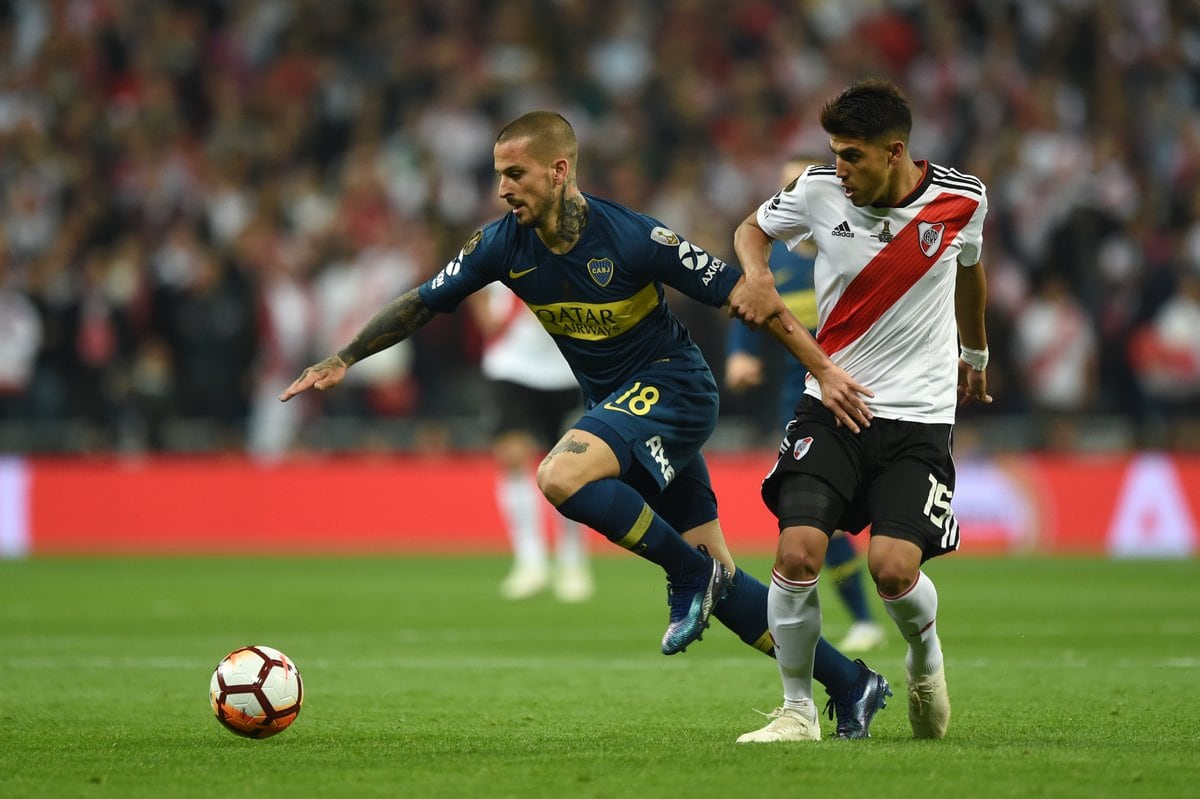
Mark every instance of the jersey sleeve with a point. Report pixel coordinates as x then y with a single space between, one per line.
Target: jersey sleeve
972 235
785 217
474 266
687 267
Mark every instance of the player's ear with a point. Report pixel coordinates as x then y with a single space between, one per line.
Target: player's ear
895 149
562 171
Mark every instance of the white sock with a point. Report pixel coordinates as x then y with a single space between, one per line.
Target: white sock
794 617
521 506
915 614
572 550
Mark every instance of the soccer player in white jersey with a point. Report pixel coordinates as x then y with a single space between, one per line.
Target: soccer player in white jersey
900 296
532 392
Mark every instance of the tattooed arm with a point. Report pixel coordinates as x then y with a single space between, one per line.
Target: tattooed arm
396 322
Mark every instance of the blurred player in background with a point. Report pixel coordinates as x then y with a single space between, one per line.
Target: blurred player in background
901 294
744 368
593 271
532 392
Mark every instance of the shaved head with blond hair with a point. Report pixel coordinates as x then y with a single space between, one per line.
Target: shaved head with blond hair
549 134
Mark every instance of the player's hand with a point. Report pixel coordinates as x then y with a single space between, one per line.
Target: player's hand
755 301
972 384
326 374
743 371
843 395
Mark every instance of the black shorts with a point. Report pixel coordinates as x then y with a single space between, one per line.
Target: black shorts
897 477
544 414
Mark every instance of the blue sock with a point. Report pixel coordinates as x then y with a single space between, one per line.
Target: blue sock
619 513
847 575
834 670
744 610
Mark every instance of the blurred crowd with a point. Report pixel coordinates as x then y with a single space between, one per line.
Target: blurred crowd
200 197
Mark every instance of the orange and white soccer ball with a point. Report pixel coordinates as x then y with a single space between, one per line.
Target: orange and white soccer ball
256 691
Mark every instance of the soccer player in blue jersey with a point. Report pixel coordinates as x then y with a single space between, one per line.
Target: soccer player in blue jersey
593 271
744 367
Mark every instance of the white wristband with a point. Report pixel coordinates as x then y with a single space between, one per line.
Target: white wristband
976 359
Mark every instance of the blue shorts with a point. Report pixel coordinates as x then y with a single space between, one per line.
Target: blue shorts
656 424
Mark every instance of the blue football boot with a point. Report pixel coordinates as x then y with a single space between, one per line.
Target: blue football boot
855 709
691 602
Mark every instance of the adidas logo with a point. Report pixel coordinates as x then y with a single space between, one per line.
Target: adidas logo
843 230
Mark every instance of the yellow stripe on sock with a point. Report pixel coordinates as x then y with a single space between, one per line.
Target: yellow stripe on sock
765 644
634 537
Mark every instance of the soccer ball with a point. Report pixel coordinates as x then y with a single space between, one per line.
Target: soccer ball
256 691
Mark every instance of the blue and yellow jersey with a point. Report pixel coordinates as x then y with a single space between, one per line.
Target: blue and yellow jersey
602 302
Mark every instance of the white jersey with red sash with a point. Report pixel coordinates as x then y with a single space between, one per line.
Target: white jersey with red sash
885 282
521 351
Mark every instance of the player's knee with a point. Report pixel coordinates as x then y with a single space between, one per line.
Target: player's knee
557 483
894 576
895 564
797 562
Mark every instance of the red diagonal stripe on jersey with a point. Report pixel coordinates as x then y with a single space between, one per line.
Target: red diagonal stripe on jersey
892 272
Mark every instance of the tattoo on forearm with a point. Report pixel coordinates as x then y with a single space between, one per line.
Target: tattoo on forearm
396 322
568 444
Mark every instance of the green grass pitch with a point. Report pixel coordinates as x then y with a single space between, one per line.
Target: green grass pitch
1068 677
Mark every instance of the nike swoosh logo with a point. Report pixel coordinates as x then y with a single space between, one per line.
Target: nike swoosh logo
514 275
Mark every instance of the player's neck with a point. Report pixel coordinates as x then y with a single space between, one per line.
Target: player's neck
564 230
905 180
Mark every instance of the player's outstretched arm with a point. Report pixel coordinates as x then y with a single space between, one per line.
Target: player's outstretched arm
326 374
754 299
840 393
396 322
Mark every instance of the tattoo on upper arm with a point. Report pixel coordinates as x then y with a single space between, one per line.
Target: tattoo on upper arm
396 322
